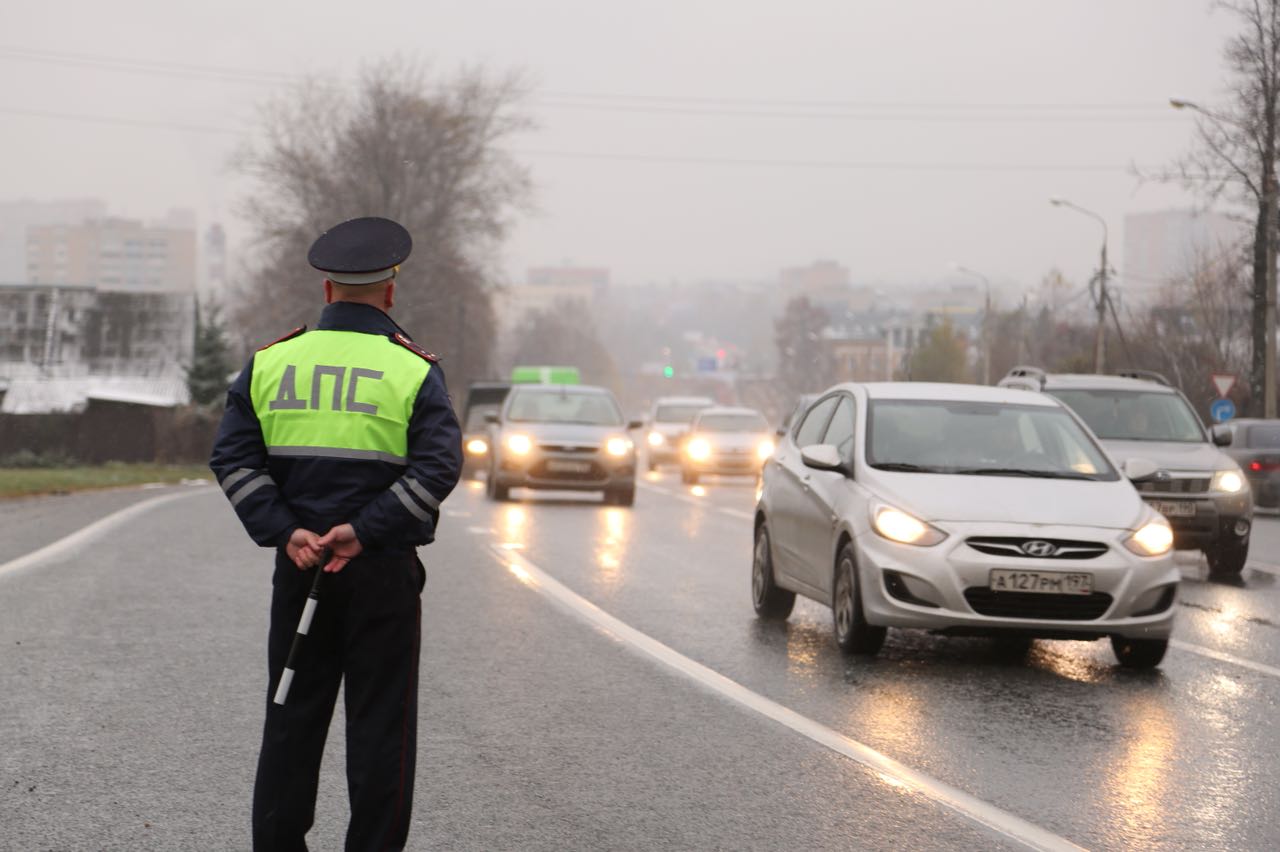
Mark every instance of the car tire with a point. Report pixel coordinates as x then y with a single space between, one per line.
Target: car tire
1227 560
1139 653
853 634
621 496
771 603
499 493
689 477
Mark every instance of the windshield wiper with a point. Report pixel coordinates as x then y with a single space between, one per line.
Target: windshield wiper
1022 471
905 467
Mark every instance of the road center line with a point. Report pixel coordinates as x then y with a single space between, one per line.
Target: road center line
891 772
1264 567
1224 657
70 543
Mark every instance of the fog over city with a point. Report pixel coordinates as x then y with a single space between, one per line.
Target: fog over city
674 141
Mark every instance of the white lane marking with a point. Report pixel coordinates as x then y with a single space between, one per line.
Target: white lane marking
737 513
1224 657
697 501
454 513
479 530
890 771
70 543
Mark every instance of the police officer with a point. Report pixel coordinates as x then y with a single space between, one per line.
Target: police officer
342 439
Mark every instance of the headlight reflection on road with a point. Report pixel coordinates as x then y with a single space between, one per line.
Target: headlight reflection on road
513 527
698 491
613 545
1138 782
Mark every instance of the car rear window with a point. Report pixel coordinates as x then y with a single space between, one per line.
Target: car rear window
1264 436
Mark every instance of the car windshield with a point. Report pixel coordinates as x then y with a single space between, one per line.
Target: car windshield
733 423
1123 415
980 438
1264 436
677 413
547 406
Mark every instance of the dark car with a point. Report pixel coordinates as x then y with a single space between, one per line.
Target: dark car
1139 415
1256 448
483 399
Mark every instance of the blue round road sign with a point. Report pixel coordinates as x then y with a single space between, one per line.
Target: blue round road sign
1222 410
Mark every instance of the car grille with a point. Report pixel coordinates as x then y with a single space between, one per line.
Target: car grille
984 601
1063 548
1180 485
567 448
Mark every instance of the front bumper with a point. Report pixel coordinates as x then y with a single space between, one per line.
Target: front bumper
566 471
746 463
1218 519
946 588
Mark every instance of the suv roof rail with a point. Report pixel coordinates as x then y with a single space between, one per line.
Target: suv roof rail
1035 374
1147 375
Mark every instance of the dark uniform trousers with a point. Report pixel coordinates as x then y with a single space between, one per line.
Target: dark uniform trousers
366 629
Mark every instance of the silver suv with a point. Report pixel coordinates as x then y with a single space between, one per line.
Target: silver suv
1198 487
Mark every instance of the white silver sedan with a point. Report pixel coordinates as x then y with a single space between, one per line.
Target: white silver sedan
965 510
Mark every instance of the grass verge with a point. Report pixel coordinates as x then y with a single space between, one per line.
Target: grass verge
25 482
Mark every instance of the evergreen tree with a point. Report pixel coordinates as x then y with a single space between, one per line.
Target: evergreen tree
210 360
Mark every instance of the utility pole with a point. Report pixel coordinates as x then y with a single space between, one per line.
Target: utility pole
1100 336
1272 193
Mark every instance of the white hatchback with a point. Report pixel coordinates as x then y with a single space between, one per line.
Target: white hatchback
965 510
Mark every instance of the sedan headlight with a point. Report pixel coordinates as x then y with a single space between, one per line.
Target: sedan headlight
618 446
765 449
1153 539
657 439
1227 482
897 525
698 449
477 446
519 444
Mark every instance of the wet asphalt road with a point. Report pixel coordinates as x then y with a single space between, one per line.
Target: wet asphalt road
133 684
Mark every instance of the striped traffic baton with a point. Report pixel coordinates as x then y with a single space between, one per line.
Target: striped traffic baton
304 624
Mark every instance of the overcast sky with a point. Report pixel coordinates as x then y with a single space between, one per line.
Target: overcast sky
923 147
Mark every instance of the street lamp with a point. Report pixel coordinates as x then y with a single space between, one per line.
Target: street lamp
986 319
1100 336
1267 225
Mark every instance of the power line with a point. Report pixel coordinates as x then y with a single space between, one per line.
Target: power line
653 103
624 157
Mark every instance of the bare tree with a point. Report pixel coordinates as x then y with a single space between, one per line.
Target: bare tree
943 355
1235 155
804 362
565 335
397 145
1195 329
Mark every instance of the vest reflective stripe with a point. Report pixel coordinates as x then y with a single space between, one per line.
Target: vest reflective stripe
337 394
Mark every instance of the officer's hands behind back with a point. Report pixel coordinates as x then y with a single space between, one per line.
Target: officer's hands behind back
344 544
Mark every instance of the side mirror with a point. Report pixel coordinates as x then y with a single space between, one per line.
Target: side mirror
822 457
1222 435
1139 470
492 417
635 424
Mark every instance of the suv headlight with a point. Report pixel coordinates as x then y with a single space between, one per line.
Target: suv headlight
897 525
657 439
1155 538
618 446
1228 482
764 449
698 449
519 444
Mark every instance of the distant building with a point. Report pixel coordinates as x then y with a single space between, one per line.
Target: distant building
77 330
825 283
1165 245
546 287
17 216
115 254
213 260
861 359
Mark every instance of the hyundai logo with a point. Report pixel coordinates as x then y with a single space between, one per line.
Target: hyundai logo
1039 548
